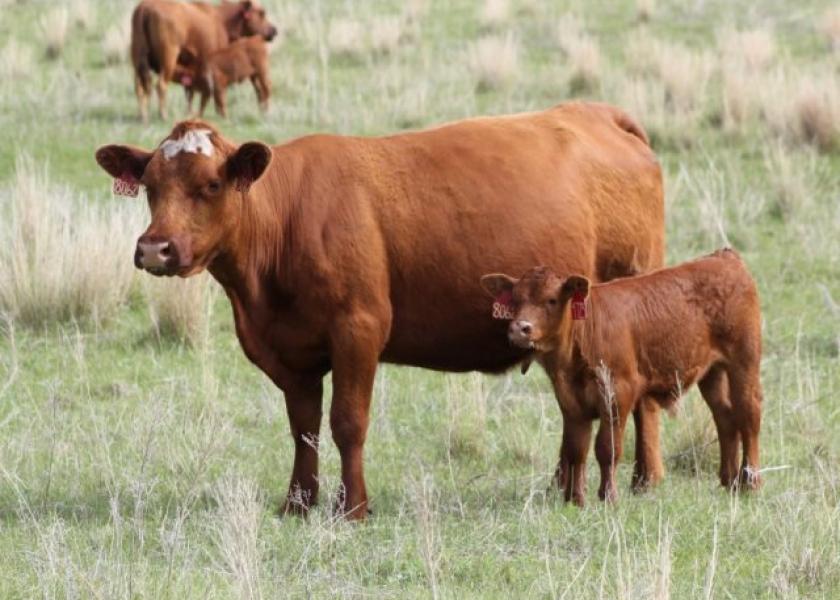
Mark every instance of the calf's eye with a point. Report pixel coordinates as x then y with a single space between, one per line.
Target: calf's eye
214 186
552 301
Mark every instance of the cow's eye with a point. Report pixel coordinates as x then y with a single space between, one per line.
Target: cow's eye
552 301
214 186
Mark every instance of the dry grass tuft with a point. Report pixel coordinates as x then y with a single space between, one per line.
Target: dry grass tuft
346 38
645 10
61 258
755 48
495 61
16 60
790 182
582 53
180 309
829 27
495 13
809 116
385 34
816 113
116 42
54 26
83 14
236 534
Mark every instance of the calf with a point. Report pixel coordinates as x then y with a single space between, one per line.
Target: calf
246 58
609 346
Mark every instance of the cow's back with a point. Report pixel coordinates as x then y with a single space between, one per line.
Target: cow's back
435 210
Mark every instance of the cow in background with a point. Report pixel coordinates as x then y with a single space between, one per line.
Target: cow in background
340 252
606 347
164 33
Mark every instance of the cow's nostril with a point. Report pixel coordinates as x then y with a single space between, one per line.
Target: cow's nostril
525 328
166 251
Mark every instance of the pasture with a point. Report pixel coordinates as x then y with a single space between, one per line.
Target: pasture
143 456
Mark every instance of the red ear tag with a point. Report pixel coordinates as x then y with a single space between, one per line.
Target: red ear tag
578 306
243 184
126 185
503 306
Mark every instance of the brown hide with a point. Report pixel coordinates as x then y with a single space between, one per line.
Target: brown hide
349 251
651 336
165 32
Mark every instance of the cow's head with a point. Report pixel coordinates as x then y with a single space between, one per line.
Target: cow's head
539 305
251 20
196 182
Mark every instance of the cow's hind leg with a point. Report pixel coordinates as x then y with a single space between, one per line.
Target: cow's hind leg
168 62
303 404
648 469
143 90
714 388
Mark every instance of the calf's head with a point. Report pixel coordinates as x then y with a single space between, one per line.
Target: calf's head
539 305
196 183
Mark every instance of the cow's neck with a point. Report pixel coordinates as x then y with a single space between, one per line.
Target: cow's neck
256 264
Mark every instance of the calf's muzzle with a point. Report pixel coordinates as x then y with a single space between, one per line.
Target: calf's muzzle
519 333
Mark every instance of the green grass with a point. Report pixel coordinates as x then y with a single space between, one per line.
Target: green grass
137 466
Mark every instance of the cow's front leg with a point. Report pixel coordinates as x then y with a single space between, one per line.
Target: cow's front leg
356 344
303 404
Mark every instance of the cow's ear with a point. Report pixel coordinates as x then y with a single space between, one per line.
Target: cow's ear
497 284
247 164
576 285
123 161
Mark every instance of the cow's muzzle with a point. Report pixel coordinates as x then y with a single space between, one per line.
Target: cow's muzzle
520 332
157 256
270 33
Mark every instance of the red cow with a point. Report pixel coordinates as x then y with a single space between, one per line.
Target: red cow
340 252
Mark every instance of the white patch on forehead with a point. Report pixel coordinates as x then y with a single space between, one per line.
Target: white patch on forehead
194 141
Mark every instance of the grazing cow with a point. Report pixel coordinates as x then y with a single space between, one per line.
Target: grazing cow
246 58
165 33
607 346
339 252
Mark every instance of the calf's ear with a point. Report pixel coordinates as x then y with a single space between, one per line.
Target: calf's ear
122 161
575 285
247 164
496 284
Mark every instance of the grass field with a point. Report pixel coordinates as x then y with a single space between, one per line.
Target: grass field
142 456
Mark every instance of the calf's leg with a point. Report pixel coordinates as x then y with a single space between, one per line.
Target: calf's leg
746 397
714 388
303 404
610 438
576 439
648 469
